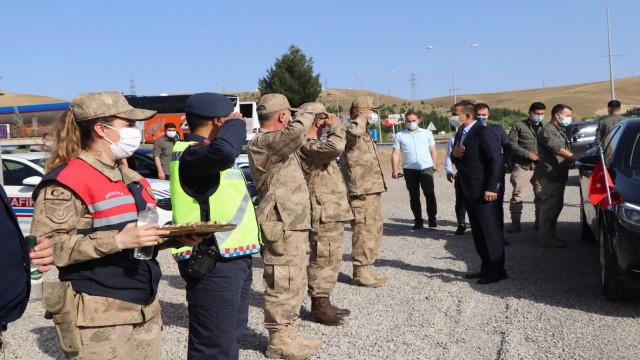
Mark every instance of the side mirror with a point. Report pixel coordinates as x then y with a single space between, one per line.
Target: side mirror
588 162
32 181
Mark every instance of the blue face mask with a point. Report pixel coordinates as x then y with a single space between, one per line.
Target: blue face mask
537 118
374 118
482 119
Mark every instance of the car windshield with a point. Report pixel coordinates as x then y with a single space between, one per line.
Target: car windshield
244 147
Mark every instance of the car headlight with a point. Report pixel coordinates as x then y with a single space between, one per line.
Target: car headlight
629 215
164 204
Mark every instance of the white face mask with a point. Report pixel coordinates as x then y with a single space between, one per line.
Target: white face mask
374 118
454 120
564 121
412 126
129 142
171 133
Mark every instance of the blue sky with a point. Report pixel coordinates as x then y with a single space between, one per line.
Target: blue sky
62 48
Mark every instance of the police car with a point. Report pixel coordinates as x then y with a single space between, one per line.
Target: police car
23 171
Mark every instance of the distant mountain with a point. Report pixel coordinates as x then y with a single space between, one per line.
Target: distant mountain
9 99
587 100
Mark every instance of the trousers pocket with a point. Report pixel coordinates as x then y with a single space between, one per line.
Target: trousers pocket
58 301
273 236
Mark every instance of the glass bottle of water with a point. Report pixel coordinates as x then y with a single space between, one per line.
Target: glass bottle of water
148 216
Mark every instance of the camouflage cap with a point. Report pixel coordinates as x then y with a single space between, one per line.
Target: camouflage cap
271 103
364 102
313 107
90 105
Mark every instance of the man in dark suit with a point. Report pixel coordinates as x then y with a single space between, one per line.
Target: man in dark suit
483 111
478 157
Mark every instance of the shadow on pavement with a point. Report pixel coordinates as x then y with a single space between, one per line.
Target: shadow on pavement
48 336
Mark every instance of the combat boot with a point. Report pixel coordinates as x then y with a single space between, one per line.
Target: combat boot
515 224
363 276
323 313
286 344
379 277
339 311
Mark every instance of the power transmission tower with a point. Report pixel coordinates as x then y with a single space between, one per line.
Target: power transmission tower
412 81
222 85
132 86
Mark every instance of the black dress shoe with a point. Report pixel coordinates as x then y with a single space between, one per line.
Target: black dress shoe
477 275
493 277
460 230
418 225
432 223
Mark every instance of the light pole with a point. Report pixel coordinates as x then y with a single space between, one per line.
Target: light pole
613 90
453 66
360 75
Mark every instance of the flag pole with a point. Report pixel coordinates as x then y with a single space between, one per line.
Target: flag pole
606 178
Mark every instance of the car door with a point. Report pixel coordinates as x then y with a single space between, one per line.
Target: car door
14 173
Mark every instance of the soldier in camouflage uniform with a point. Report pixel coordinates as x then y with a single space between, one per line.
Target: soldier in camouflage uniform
360 167
284 216
118 315
553 171
329 210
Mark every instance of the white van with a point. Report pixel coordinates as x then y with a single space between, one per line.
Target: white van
249 113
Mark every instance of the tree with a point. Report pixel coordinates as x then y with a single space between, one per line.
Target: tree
292 76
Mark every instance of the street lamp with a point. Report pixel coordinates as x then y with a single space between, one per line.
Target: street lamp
360 75
613 90
453 66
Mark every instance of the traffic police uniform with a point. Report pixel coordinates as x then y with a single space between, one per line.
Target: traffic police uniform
205 187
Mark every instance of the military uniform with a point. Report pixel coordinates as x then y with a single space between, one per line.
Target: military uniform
109 327
553 172
605 125
284 215
523 136
162 149
362 173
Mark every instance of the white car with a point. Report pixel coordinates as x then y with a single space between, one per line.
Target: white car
23 171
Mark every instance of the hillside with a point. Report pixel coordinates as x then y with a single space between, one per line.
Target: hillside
588 100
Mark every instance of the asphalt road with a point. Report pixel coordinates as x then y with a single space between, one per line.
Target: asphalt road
550 307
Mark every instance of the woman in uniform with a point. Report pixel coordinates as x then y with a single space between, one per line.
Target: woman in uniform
87 203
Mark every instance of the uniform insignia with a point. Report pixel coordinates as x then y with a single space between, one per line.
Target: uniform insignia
150 191
58 214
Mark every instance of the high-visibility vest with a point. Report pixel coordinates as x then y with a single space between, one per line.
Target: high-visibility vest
229 203
112 205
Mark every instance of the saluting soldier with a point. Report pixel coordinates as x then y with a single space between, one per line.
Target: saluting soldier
362 173
284 216
329 210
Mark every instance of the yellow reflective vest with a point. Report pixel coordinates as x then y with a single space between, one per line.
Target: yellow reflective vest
229 203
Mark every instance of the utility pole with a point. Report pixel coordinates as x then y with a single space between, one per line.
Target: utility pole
132 86
613 90
412 81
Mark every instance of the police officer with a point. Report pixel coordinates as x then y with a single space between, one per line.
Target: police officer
329 211
553 172
205 187
87 203
284 217
360 167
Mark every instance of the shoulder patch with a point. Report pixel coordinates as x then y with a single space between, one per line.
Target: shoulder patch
58 214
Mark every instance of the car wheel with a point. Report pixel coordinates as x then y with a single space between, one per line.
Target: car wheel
612 287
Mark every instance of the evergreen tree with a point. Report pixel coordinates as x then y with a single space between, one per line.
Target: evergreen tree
292 76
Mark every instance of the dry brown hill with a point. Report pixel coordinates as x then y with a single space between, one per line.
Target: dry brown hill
587 100
9 99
